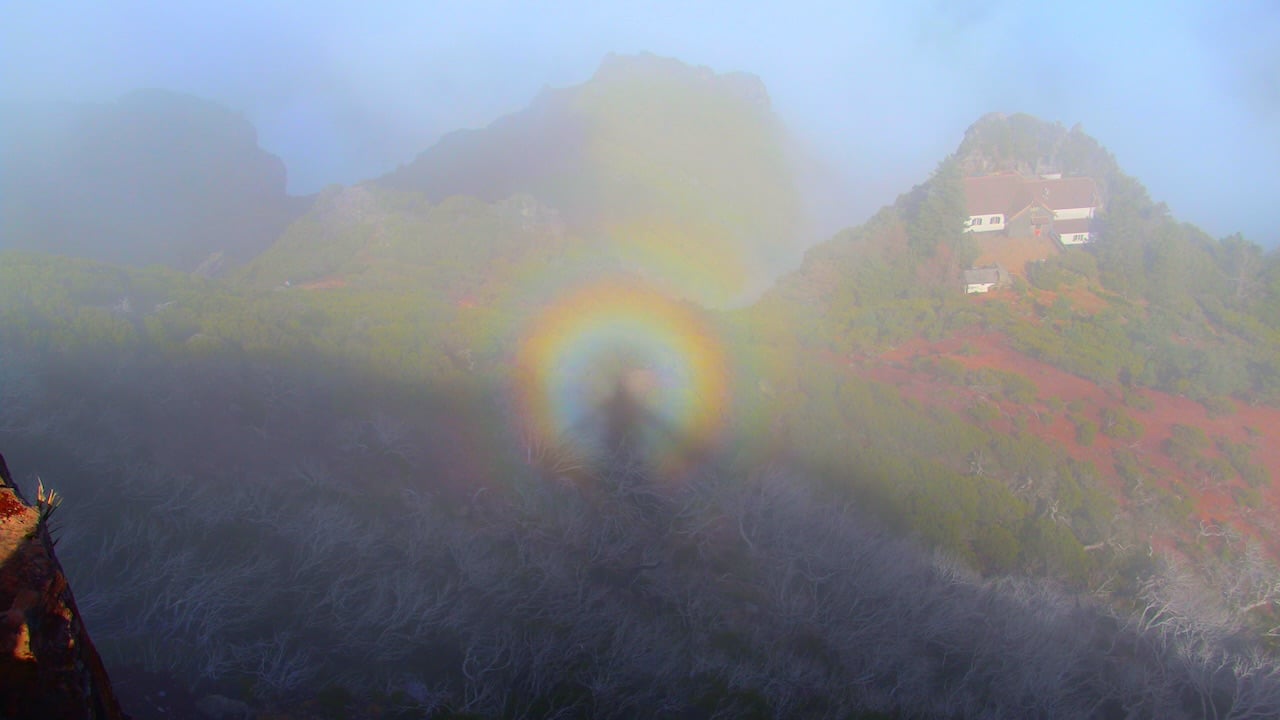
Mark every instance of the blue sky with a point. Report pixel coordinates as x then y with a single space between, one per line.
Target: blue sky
1187 95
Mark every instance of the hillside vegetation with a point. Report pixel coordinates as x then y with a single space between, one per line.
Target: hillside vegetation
1036 392
325 481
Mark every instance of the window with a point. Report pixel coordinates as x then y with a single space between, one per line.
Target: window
1082 238
995 219
975 221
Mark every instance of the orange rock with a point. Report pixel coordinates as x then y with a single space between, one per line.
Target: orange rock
48 665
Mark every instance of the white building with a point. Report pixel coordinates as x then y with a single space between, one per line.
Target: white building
1026 206
1073 231
988 200
984 279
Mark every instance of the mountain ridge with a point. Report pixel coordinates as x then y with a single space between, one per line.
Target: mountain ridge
651 158
348 422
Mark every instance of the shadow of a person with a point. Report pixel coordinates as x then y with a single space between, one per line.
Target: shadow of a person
623 418
632 431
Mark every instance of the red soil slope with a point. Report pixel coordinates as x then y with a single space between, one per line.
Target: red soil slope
1213 500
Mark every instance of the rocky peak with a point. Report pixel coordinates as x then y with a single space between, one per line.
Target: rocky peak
1024 144
650 67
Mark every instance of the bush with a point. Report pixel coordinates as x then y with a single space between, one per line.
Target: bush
1185 444
1080 263
1086 431
1254 475
1219 406
984 412
1248 497
1117 425
1138 401
997 549
950 369
1237 454
1046 275
1129 467
1018 388
1049 548
1217 469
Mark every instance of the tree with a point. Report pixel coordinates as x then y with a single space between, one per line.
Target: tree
997 549
1242 263
938 216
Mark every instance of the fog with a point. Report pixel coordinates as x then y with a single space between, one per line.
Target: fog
582 416
1187 97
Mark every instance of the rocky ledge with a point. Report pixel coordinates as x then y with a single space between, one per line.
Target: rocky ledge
48 666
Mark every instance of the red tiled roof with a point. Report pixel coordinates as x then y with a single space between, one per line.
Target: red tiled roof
1071 227
993 194
1065 193
1011 194
981 276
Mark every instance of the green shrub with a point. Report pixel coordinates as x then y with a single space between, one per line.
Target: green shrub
984 412
1217 469
1185 444
997 549
1129 467
1247 496
1086 431
1080 263
1218 406
1018 388
1238 455
1137 400
950 369
1049 548
1117 425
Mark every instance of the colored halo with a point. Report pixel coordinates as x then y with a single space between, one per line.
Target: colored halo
613 337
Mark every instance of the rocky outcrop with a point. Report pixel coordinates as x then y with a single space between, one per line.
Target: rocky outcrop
48 666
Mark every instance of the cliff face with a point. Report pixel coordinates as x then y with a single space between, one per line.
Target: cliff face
48 666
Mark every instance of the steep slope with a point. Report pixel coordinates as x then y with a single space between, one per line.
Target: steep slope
370 236
685 173
449 276
156 177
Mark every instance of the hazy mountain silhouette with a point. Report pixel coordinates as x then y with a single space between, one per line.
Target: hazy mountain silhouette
651 157
155 177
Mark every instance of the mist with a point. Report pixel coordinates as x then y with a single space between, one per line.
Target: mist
487 360
1187 97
